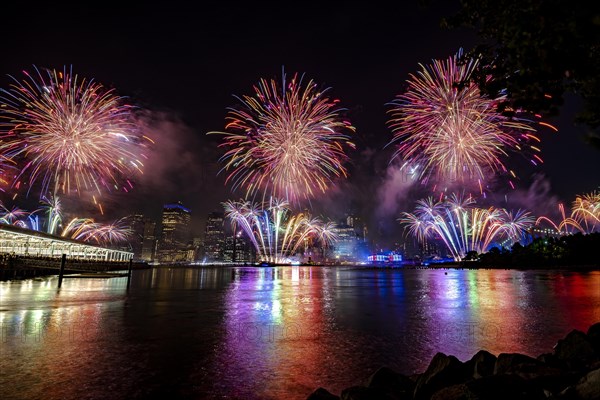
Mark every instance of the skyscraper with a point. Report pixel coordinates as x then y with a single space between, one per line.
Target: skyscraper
137 237
175 233
214 237
149 240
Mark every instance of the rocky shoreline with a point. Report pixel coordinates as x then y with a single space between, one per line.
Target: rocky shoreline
570 372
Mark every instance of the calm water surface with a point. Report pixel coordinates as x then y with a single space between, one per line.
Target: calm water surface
270 333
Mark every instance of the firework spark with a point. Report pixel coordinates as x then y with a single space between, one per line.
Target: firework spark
85 229
445 128
69 134
584 217
287 141
52 208
274 232
12 216
586 210
462 226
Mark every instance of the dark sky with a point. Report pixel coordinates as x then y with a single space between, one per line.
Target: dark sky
184 61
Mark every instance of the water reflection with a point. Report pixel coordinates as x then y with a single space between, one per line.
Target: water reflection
270 333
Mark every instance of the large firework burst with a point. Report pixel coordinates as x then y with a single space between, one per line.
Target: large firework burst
287 141
584 217
586 210
446 129
69 134
274 232
463 227
85 229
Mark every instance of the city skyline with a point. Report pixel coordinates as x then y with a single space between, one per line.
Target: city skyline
184 69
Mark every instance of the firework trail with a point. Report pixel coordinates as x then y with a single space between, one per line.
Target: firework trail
85 229
586 210
287 141
446 129
274 232
52 208
13 216
584 217
69 134
462 226
82 229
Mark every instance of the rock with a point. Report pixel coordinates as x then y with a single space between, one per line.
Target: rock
551 379
443 371
454 392
491 387
588 388
508 363
322 394
481 364
365 393
575 349
550 360
503 387
593 335
392 383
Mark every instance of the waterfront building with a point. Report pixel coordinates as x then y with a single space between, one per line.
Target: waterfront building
175 233
149 240
137 236
344 249
214 237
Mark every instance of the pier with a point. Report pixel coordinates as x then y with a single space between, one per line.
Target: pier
26 254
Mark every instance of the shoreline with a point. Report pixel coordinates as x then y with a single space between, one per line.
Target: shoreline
33 273
570 372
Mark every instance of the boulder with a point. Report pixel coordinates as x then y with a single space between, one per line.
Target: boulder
492 387
454 392
365 393
322 394
391 382
550 360
481 364
443 371
510 363
575 349
503 387
551 379
593 335
588 388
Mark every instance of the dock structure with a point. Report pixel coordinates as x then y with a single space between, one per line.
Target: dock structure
20 242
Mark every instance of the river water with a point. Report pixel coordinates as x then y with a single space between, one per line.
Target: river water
271 333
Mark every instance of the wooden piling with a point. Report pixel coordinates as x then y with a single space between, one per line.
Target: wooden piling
129 273
63 261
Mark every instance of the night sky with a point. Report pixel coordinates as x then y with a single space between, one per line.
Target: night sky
184 61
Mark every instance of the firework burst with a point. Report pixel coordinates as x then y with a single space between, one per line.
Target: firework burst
69 134
586 210
463 227
584 217
85 229
275 233
446 129
287 141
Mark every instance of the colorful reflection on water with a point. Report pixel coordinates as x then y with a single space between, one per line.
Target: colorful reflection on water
268 333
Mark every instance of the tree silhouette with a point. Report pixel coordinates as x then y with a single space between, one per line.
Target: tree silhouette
536 52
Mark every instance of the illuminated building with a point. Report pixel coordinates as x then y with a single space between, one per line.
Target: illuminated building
149 240
237 249
137 237
345 247
175 234
214 237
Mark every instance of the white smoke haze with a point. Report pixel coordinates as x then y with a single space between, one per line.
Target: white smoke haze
394 193
180 166
537 198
